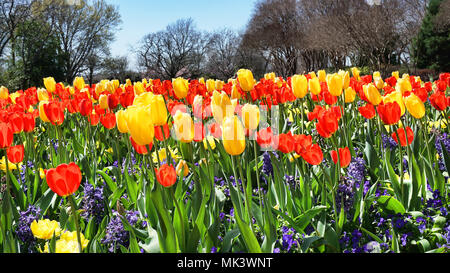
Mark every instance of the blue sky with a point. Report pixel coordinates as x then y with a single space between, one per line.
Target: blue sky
140 17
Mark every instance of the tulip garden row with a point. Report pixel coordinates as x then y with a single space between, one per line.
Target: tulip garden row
314 163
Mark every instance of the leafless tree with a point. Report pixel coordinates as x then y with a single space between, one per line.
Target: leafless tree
177 51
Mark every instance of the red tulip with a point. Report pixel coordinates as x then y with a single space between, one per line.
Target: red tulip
438 101
344 157
367 111
85 107
94 118
6 135
65 179
54 111
15 153
16 121
313 155
199 131
159 133
166 175
265 138
215 130
29 122
285 143
389 113
302 143
327 124
401 135
113 101
108 120
140 149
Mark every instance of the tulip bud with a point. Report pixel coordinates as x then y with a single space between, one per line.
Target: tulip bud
335 84
250 115
4 93
78 83
121 121
139 88
42 114
221 106
322 75
269 76
42 94
246 80
182 168
140 124
209 141
372 94
415 106
355 73
379 82
210 85
233 135
299 86
103 101
396 74
345 78
50 84
235 93
312 74
180 87
184 127
314 86
349 95
159 110
219 85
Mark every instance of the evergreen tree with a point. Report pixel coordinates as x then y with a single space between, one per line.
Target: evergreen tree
432 45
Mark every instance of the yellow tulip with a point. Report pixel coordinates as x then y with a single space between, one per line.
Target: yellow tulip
221 106
415 106
314 86
210 85
403 85
14 96
312 74
345 78
158 110
396 74
182 168
251 116
180 87
269 76
397 97
103 101
121 121
233 135
322 75
68 243
183 126
372 94
50 84
349 95
201 80
139 88
299 86
42 94
235 93
4 93
42 114
209 141
11 166
379 82
246 80
140 124
219 85
335 84
44 229
115 84
355 73
78 83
